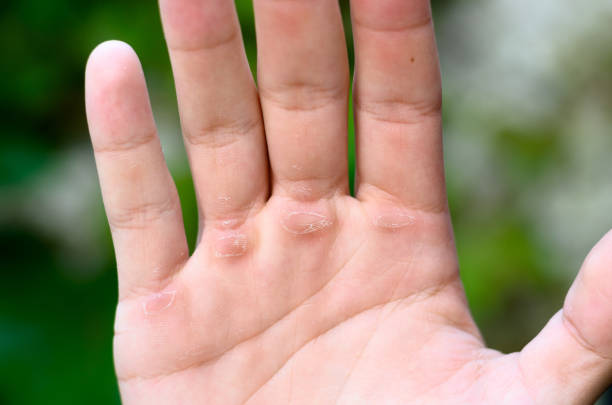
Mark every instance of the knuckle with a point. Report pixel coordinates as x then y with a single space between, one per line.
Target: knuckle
391 16
120 143
217 134
400 110
139 216
303 96
378 197
578 335
212 42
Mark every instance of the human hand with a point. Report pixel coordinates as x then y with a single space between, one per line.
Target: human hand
298 292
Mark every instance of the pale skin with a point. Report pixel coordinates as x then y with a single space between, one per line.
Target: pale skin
298 292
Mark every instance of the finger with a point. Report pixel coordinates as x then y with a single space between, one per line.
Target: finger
571 359
219 107
303 85
139 195
397 100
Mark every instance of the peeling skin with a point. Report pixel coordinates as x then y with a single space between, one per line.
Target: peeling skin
301 222
231 246
158 302
229 223
394 220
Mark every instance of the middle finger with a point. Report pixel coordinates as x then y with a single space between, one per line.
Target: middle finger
303 85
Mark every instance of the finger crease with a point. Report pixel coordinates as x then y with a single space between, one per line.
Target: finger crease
418 24
575 333
206 46
126 143
218 135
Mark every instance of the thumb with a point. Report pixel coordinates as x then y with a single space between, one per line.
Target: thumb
570 361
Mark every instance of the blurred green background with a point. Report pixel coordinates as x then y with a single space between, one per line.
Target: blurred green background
528 102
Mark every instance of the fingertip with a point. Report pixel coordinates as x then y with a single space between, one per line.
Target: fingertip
112 62
111 49
116 92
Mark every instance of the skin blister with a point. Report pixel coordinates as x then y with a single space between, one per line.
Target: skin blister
231 246
158 302
394 220
303 222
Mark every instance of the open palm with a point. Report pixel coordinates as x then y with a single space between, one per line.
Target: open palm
297 291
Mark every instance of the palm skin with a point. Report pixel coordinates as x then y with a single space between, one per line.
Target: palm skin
333 315
298 292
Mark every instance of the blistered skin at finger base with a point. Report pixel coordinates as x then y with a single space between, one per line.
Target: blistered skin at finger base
303 219
393 220
158 302
305 222
231 245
